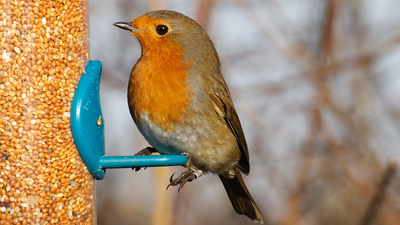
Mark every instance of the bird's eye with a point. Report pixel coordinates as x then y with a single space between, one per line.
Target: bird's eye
161 29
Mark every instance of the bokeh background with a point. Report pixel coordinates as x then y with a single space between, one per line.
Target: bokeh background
317 87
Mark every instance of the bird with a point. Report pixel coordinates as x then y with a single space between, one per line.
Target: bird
181 104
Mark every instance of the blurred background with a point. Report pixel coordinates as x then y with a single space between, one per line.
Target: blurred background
317 87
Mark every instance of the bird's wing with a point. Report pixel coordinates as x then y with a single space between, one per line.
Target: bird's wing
220 95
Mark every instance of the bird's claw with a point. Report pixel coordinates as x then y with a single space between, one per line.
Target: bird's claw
189 175
171 179
186 176
145 151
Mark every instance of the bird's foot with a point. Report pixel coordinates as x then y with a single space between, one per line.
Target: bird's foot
145 151
186 176
189 175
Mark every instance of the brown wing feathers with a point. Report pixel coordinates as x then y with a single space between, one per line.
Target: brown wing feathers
229 113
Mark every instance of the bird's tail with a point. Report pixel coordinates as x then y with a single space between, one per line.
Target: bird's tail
240 197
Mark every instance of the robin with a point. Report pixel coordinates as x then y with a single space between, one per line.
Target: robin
181 104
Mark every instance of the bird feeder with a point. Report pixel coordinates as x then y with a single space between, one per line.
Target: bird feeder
51 127
45 48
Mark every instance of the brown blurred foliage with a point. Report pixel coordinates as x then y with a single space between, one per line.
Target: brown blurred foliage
343 173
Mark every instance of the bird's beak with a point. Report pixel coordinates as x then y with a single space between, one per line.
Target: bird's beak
127 26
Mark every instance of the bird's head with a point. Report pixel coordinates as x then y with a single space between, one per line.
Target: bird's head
166 32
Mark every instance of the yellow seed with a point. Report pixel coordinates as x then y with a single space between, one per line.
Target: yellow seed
99 121
17 50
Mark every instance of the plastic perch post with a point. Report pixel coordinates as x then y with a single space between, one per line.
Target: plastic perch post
87 127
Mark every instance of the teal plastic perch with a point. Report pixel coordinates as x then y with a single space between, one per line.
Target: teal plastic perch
87 127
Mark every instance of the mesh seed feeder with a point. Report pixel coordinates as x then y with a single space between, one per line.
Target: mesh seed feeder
51 126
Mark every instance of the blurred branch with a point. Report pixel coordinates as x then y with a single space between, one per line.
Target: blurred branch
328 36
294 209
294 205
387 214
156 4
339 154
163 210
203 12
293 50
379 195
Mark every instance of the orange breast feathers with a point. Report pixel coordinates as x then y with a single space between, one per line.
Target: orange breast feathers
157 86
